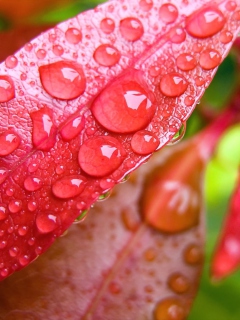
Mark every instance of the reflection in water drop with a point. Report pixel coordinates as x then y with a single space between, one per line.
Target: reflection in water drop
179 135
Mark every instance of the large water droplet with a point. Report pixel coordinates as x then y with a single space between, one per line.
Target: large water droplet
146 5
32 183
144 142
170 309
124 106
15 206
11 62
100 156
209 59
178 283
205 22
9 142
3 174
168 13
46 222
193 254
131 29
73 35
186 62
44 130
173 84
107 25
7 91
106 55
72 128
69 186
63 79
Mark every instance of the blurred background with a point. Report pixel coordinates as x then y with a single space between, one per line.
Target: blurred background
20 21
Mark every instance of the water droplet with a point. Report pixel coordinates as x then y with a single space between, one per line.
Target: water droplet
46 222
146 5
100 156
199 81
104 196
205 22
31 241
179 135
58 50
23 230
150 254
7 91
13 251
193 254
131 29
32 206
9 142
28 47
69 186
144 142
226 37
15 206
170 309
41 54
3 213
106 184
3 244
106 55
3 173
168 13
154 71
114 287
9 192
125 105
209 59
186 62
63 79
177 35
236 15
231 5
130 220
32 183
24 260
33 166
81 217
178 283
173 84
107 25
73 35
72 128
4 272
11 62
189 101
60 169
44 130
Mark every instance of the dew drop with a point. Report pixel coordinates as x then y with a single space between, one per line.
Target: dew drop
106 55
170 309
146 5
144 142
15 206
11 62
209 59
32 183
46 222
104 196
3 244
9 192
236 16
24 260
100 156
44 130
168 13
186 62
23 76
60 169
177 35
38 250
72 128
33 166
41 54
3 213
189 101
63 80
3 174
179 135
32 206
7 91
107 25
125 106
131 29
81 217
193 254
9 142
205 22
68 186
73 35
226 37
106 184
5 272
31 241
178 283
173 85
13 251
231 5
57 50
22 230
28 47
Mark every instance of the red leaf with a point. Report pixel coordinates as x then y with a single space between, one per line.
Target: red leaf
144 89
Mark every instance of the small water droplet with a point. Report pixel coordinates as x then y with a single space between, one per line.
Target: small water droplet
146 5
131 29
41 54
32 206
9 142
178 283
72 128
199 81
68 186
170 309
33 166
189 101
168 13
106 55
46 222
44 130
205 22
125 105
193 254
150 254
32 183
226 37
81 217
173 84
144 142
31 241
107 25
3 213
179 135
177 35
13 251
5 272
57 50
3 244
7 90
209 59
28 47
15 206
23 76
23 230
11 62
24 260
100 156
73 35
63 80
186 62
106 184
